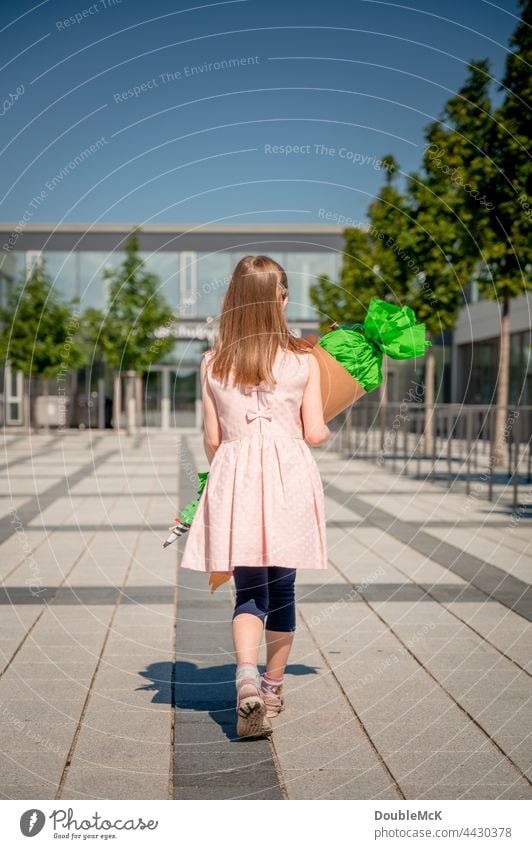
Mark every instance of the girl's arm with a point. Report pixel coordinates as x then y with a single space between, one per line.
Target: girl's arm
314 427
212 432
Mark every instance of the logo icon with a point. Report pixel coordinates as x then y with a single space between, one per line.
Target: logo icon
32 822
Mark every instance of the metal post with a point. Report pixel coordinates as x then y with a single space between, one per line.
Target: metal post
434 412
101 403
165 399
405 444
449 450
516 457
493 428
469 434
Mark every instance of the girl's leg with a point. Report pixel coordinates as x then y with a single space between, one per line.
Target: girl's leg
281 620
251 605
251 584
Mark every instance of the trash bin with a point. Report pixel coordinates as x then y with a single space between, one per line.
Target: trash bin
86 408
55 408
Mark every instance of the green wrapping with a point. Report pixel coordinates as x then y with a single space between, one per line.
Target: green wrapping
189 510
387 329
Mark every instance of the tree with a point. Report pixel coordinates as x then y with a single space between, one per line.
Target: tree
133 333
366 267
479 166
507 240
41 335
373 263
449 211
345 301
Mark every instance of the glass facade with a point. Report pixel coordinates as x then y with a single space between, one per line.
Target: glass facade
193 284
478 364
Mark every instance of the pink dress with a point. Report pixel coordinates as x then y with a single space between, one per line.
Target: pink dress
263 504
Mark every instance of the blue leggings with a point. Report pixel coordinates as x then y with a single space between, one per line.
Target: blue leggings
267 592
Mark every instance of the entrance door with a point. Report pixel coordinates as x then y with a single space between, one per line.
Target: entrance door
170 395
13 395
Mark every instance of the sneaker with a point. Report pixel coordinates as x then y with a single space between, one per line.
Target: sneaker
273 697
251 710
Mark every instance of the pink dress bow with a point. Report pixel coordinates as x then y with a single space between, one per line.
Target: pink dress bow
264 413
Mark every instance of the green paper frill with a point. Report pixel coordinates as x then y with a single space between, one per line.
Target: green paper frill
189 510
387 329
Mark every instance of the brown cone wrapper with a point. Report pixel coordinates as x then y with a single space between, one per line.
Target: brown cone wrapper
338 389
216 579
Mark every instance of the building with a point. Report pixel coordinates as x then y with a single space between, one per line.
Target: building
475 355
193 264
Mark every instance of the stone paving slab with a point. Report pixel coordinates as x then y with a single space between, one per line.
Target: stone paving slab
409 678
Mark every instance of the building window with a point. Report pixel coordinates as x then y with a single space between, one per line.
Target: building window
64 273
32 257
165 264
478 365
188 284
92 286
213 273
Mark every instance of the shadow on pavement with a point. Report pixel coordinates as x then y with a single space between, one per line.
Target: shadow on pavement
202 691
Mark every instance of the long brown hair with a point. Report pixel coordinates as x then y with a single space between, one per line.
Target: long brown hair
252 323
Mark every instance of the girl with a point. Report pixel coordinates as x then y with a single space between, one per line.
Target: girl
261 515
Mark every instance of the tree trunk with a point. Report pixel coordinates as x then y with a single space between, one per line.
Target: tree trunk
138 396
503 385
33 384
383 405
26 413
130 402
46 418
128 406
117 402
430 370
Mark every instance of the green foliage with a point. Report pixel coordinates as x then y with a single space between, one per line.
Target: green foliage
507 245
347 300
449 202
135 312
465 215
41 333
91 328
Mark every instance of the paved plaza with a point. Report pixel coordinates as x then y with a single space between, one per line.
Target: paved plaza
410 674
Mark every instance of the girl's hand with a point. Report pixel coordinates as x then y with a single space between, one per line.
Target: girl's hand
216 579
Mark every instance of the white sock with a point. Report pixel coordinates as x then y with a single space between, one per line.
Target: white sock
247 670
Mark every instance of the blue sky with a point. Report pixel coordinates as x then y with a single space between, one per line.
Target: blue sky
232 112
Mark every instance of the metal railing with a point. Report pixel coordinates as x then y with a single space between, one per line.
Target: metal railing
463 447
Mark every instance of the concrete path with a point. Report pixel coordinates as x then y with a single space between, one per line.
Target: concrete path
410 675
